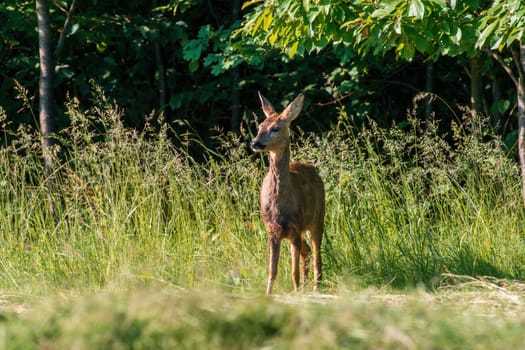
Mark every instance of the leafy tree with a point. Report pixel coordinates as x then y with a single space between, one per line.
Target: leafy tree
432 28
425 27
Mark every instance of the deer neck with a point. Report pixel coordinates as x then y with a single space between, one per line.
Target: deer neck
280 170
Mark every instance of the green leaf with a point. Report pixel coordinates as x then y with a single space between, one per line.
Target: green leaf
312 15
250 3
416 9
384 10
459 35
74 28
258 23
306 4
406 51
486 33
515 35
176 101
144 31
102 46
65 70
193 66
498 45
293 49
205 32
421 43
397 27
217 69
193 49
326 9
267 21
272 38
511 139
500 106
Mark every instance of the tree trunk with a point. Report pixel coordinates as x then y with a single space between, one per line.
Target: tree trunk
518 55
47 68
235 122
161 72
476 86
497 96
46 84
521 117
429 87
161 76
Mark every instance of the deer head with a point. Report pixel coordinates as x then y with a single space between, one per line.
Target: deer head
274 131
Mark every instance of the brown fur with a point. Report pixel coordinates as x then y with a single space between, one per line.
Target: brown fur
292 196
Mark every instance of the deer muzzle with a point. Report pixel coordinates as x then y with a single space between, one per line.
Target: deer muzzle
256 146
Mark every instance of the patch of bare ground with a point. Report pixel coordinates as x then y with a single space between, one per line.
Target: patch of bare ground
485 296
10 303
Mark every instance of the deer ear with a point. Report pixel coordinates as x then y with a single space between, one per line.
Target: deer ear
266 105
293 109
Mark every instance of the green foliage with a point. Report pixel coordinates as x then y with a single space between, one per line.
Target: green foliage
224 54
503 24
295 27
433 28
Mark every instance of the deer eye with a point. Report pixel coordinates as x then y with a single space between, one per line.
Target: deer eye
275 129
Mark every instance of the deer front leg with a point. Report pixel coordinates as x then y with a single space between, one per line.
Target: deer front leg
275 246
295 249
305 261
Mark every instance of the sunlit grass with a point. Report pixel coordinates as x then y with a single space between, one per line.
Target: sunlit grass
403 207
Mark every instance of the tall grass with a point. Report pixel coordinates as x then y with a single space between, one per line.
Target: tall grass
403 207
410 206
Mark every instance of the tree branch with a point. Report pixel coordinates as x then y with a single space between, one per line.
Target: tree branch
335 101
515 50
69 15
505 67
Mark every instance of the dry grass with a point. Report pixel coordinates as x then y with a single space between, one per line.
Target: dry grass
488 296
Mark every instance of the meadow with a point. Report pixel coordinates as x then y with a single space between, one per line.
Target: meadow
155 243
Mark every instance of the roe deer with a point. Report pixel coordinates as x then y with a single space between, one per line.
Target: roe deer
292 195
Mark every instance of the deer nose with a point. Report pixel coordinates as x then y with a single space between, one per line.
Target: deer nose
256 146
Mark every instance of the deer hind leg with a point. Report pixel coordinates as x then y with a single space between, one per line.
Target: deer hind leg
317 237
295 250
275 247
305 260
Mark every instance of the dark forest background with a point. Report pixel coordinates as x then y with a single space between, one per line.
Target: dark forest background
182 58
